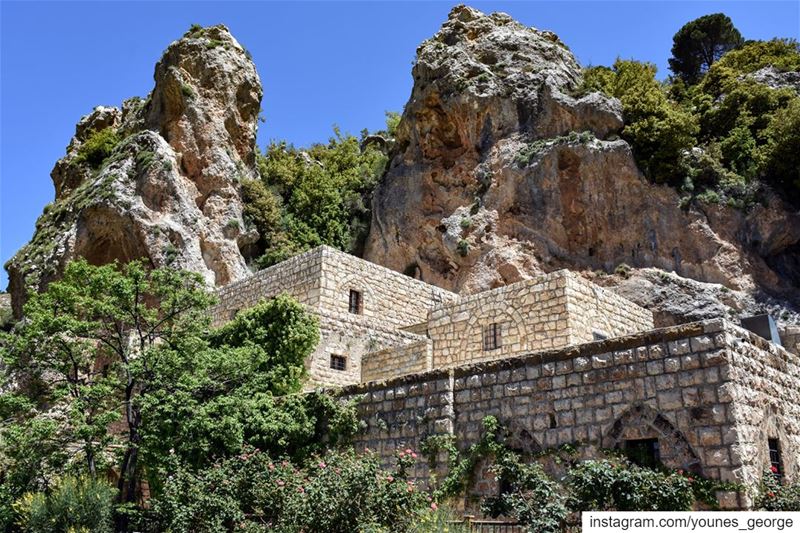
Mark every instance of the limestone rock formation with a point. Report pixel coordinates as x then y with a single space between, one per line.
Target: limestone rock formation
498 174
166 188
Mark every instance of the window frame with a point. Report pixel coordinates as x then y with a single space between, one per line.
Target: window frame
334 362
491 337
775 456
358 308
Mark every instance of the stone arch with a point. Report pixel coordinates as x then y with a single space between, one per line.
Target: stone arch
514 337
643 422
520 439
369 302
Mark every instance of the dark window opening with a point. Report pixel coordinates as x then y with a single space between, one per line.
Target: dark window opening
553 423
643 452
775 460
356 302
599 336
491 336
338 362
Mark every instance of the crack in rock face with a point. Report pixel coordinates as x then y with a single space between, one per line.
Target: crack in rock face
492 127
158 179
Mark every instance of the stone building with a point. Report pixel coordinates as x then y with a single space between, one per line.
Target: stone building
556 359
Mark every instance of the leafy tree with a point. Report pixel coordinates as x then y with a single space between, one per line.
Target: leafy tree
701 42
659 131
782 152
96 338
318 195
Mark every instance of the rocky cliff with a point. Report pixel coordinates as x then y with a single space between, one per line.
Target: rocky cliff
157 179
499 174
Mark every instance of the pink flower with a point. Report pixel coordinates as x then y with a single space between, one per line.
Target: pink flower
322 464
680 472
389 478
413 455
771 494
301 490
280 483
271 466
434 506
773 469
408 450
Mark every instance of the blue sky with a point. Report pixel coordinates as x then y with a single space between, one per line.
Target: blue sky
321 63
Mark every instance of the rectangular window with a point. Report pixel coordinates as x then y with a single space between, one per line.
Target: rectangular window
491 337
775 462
338 362
643 452
599 336
356 304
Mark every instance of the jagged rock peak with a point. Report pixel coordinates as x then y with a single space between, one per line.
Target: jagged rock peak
498 174
159 178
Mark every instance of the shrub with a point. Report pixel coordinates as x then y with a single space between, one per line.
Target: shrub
773 496
336 492
75 504
463 247
187 91
621 486
623 270
97 147
466 223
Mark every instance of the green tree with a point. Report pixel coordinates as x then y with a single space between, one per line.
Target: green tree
701 42
96 338
318 195
659 131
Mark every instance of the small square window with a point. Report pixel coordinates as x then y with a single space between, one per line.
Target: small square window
643 452
356 302
775 460
338 362
491 337
599 336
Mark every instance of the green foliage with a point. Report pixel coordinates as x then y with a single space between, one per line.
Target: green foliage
528 494
774 496
720 140
320 195
187 91
75 344
621 486
782 150
97 147
74 504
392 123
701 42
339 492
623 270
463 247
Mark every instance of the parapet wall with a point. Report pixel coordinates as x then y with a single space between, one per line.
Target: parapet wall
410 358
683 385
593 310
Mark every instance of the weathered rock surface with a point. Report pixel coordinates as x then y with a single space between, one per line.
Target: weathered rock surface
169 191
498 175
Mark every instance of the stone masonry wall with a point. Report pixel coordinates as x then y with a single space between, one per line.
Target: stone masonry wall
790 338
675 384
391 297
351 336
593 310
553 311
397 361
299 276
764 390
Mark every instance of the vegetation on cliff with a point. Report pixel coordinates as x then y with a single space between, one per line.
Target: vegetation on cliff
318 195
720 135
